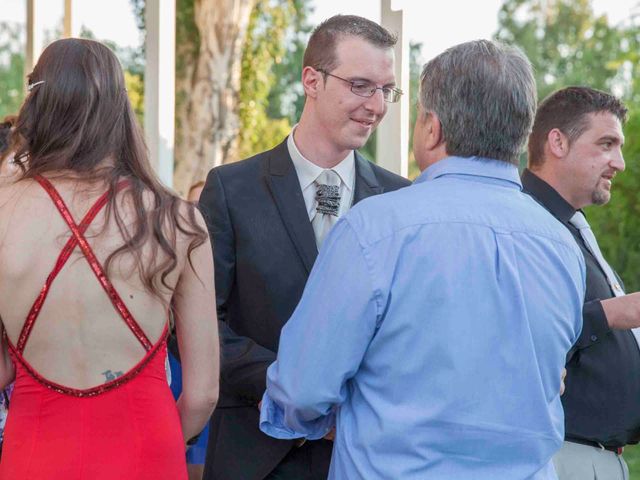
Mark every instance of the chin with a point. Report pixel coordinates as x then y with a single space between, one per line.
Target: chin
357 139
600 197
355 144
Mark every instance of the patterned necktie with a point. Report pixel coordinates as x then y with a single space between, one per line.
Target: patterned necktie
580 222
327 204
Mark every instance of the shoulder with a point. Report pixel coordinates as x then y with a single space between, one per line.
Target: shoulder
13 188
388 180
251 165
238 184
379 216
254 166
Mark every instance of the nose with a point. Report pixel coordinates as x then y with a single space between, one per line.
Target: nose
376 103
617 163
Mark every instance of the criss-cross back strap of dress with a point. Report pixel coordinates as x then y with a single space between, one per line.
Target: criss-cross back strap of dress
78 239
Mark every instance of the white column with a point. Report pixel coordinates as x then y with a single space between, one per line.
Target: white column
159 85
67 29
392 148
34 36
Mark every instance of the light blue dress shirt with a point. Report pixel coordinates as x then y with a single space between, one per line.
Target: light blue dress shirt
433 331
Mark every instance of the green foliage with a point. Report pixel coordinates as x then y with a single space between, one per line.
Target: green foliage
632 457
271 96
138 7
415 70
271 23
12 81
286 97
135 90
566 43
187 35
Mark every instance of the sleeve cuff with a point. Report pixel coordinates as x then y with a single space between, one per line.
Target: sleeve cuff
595 325
272 422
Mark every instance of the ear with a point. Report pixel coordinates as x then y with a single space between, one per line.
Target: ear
557 143
311 80
433 129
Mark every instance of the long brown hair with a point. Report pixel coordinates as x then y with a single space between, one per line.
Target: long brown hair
77 121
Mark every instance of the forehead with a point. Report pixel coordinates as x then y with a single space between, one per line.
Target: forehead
603 124
357 57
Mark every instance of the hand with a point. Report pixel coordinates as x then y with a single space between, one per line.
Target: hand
260 405
562 377
331 436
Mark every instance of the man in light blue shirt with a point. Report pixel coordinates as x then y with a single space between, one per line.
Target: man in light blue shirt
414 337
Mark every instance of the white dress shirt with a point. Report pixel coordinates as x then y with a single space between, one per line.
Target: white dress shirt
308 171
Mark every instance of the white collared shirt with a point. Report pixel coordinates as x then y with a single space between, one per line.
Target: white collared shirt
308 171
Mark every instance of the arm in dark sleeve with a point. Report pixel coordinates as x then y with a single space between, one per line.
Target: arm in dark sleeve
594 326
244 363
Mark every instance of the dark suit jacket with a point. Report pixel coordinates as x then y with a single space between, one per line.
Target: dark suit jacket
264 248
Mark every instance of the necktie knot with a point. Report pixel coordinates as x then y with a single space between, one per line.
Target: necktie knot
579 221
328 193
327 204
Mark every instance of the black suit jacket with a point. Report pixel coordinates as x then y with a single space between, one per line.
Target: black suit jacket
264 248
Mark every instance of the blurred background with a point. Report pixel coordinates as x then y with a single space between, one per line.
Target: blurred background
241 60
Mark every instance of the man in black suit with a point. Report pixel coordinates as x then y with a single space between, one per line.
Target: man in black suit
575 151
267 217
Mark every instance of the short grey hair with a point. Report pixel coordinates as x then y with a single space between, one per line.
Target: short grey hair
484 95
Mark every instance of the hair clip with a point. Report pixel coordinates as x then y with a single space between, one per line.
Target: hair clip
31 85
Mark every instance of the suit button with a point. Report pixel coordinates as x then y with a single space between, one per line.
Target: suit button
594 338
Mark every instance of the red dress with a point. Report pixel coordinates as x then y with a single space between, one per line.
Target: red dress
127 428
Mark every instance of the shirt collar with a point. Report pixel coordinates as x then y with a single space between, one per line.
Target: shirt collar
552 200
473 166
308 171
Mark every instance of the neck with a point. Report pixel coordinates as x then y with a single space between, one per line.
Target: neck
435 156
555 180
314 145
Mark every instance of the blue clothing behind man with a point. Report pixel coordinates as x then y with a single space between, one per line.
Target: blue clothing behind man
415 332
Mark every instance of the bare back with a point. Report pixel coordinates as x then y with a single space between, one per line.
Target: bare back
79 339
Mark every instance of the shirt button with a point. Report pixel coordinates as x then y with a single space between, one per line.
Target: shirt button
594 338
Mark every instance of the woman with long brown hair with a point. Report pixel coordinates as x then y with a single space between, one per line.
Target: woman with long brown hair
94 252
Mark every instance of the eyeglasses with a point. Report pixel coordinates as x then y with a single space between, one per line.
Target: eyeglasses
363 88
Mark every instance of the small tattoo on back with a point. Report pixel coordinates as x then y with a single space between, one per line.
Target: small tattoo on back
110 375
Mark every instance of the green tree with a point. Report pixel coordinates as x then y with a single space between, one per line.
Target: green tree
265 103
566 42
286 96
12 81
271 96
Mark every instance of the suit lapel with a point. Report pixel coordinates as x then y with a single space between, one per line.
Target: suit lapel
284 185
366 182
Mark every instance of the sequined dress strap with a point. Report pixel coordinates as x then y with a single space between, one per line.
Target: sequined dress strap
76 239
